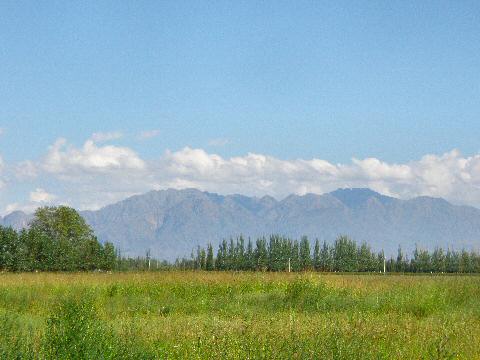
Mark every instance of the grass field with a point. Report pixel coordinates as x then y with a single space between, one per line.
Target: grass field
178 315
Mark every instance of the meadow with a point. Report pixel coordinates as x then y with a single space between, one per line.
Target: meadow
235 315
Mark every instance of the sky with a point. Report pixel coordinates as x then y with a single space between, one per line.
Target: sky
102 100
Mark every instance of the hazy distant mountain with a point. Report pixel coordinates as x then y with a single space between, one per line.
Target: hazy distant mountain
17 220
172 222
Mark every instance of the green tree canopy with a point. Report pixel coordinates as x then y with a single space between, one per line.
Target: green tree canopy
60 239
61 223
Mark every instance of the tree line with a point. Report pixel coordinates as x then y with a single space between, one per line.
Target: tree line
278 253
58 239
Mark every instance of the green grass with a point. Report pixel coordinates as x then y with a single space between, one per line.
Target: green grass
178 315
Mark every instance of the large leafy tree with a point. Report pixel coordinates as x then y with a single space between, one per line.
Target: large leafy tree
61 223
71 241
8 249
58 239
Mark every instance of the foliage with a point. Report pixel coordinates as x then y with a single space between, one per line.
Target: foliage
58 239
280 253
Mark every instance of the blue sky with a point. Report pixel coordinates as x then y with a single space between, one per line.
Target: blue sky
394 81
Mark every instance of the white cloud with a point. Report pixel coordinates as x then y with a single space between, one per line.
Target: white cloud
38 197
99 137
27 208
64 159
148 134
92 176
26 170
41 196
450 175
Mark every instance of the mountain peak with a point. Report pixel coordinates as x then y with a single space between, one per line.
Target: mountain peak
172 222
16 213
354 197
16 219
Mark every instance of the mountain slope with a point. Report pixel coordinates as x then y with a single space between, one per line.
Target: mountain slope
17 220
172 222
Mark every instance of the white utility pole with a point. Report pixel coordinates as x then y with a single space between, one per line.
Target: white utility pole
289 267
148 258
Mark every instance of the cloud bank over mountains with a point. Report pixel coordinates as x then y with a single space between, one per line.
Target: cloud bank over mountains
98 173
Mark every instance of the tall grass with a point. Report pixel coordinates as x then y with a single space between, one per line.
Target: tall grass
199 315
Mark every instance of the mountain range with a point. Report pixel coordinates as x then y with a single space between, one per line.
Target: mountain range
173 222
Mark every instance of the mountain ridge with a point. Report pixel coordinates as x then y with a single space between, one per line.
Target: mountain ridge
172 222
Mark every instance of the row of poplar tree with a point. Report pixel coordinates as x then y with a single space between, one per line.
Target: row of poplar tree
58 239
279 253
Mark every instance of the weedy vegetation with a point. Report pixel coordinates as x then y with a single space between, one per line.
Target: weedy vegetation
235 315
